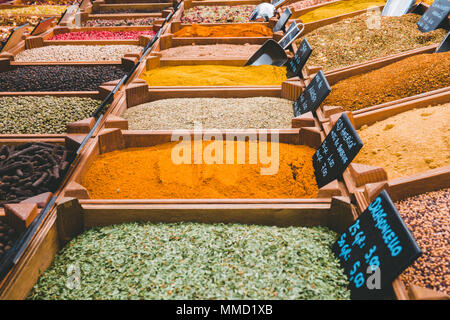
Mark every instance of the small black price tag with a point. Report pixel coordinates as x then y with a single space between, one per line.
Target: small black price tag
375 249
296 64
315 93
291 33
336 152
445 44
434 16
283 20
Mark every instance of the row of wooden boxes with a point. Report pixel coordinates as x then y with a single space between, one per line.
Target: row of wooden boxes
336 205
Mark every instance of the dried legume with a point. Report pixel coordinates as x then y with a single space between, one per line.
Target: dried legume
339 8
405 78
118 22
36 114
59 77
260 112
103 35
392 144
197 261
215 75
428 217
151 173
350 41
213 50
30 169
209 14
76 53
235 30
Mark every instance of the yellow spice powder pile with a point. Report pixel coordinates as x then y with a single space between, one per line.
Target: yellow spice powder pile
150 173
408 143
215 75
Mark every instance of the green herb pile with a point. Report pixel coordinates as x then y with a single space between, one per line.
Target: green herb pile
196 261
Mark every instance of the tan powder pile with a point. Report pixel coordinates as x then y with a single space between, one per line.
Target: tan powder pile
408 143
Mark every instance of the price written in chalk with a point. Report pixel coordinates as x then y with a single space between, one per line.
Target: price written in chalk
315 93
296 64
375 249
434 16
337 151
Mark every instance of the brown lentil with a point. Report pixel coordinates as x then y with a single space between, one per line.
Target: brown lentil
405 78
392 144
350 41
259 112
428 217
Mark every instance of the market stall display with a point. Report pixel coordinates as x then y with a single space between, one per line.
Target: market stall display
138 142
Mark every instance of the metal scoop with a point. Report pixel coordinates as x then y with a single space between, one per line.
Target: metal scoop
272 52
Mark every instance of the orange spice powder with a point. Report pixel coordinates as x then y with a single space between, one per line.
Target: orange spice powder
150 173
237 30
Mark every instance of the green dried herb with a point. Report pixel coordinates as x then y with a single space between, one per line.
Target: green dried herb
196 261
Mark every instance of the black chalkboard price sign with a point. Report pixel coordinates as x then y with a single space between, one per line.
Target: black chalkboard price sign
434 16
337 151
283 20
316 92
375 249
296 64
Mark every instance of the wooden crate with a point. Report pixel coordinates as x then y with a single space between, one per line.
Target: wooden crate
400 189
358 176
103 90
299 12
111 139
30 271
45 38
334 76
138 92
153 62
92 9
83 126
72 216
